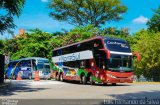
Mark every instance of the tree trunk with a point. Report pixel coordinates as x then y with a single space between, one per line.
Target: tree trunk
1 68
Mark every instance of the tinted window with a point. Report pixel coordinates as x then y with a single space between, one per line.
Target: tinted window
120 61
40 66
89 45
77 64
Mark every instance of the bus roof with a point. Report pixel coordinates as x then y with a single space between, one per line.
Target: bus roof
29 58
96 37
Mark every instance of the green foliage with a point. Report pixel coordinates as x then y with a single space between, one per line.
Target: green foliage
79 34
124 32
147 44
85 12
10 8
154 22
1 46
36 43
41 44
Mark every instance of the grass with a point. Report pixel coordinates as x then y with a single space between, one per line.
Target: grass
146 82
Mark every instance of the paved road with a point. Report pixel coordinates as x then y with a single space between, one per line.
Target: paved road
50 89
38 93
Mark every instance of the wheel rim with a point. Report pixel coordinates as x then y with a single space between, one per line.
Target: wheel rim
84 80
91 81
29 76
57 77
61 77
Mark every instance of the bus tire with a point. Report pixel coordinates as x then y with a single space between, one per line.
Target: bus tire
30 76
104 84
114 84
14 77
91 80
57 77
84 80
61 77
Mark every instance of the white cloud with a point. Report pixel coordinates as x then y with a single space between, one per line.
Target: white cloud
140 20
44 0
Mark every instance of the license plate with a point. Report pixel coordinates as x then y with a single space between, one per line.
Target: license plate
121 80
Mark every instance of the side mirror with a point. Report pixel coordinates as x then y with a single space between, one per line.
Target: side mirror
137 55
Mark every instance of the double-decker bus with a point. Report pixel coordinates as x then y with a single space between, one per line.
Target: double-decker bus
27 67
99 59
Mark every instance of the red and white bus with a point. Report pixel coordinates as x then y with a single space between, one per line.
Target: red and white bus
99 59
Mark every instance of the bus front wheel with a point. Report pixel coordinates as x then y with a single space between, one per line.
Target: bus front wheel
84 80
91 80
57 77
61 77
30 76
14 77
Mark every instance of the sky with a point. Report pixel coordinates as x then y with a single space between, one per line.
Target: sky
35 14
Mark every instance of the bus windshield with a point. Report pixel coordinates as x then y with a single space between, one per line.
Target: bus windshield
120 63
43 65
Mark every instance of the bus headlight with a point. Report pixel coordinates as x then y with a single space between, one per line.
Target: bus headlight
109 75
131 77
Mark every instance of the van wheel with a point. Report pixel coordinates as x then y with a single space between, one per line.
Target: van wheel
14 77
84 80
61 77
30 77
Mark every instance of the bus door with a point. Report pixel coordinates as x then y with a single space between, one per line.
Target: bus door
25 67
60 64
33 67
46 69
40 66
100 60
11 69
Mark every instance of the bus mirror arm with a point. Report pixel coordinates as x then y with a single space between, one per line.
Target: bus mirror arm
137 55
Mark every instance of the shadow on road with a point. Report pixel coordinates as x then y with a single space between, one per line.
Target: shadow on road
138 95
97 84
143 97
19 87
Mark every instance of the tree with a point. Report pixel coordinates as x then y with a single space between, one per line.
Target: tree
85 12
154 22
1 46
9 9
124 32
147 44
78 34
36 43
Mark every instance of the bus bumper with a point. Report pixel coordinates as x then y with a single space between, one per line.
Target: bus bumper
119 80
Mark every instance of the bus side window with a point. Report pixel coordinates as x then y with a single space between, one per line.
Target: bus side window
34 66
54 53
85 64
82 64
97 44
88 64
